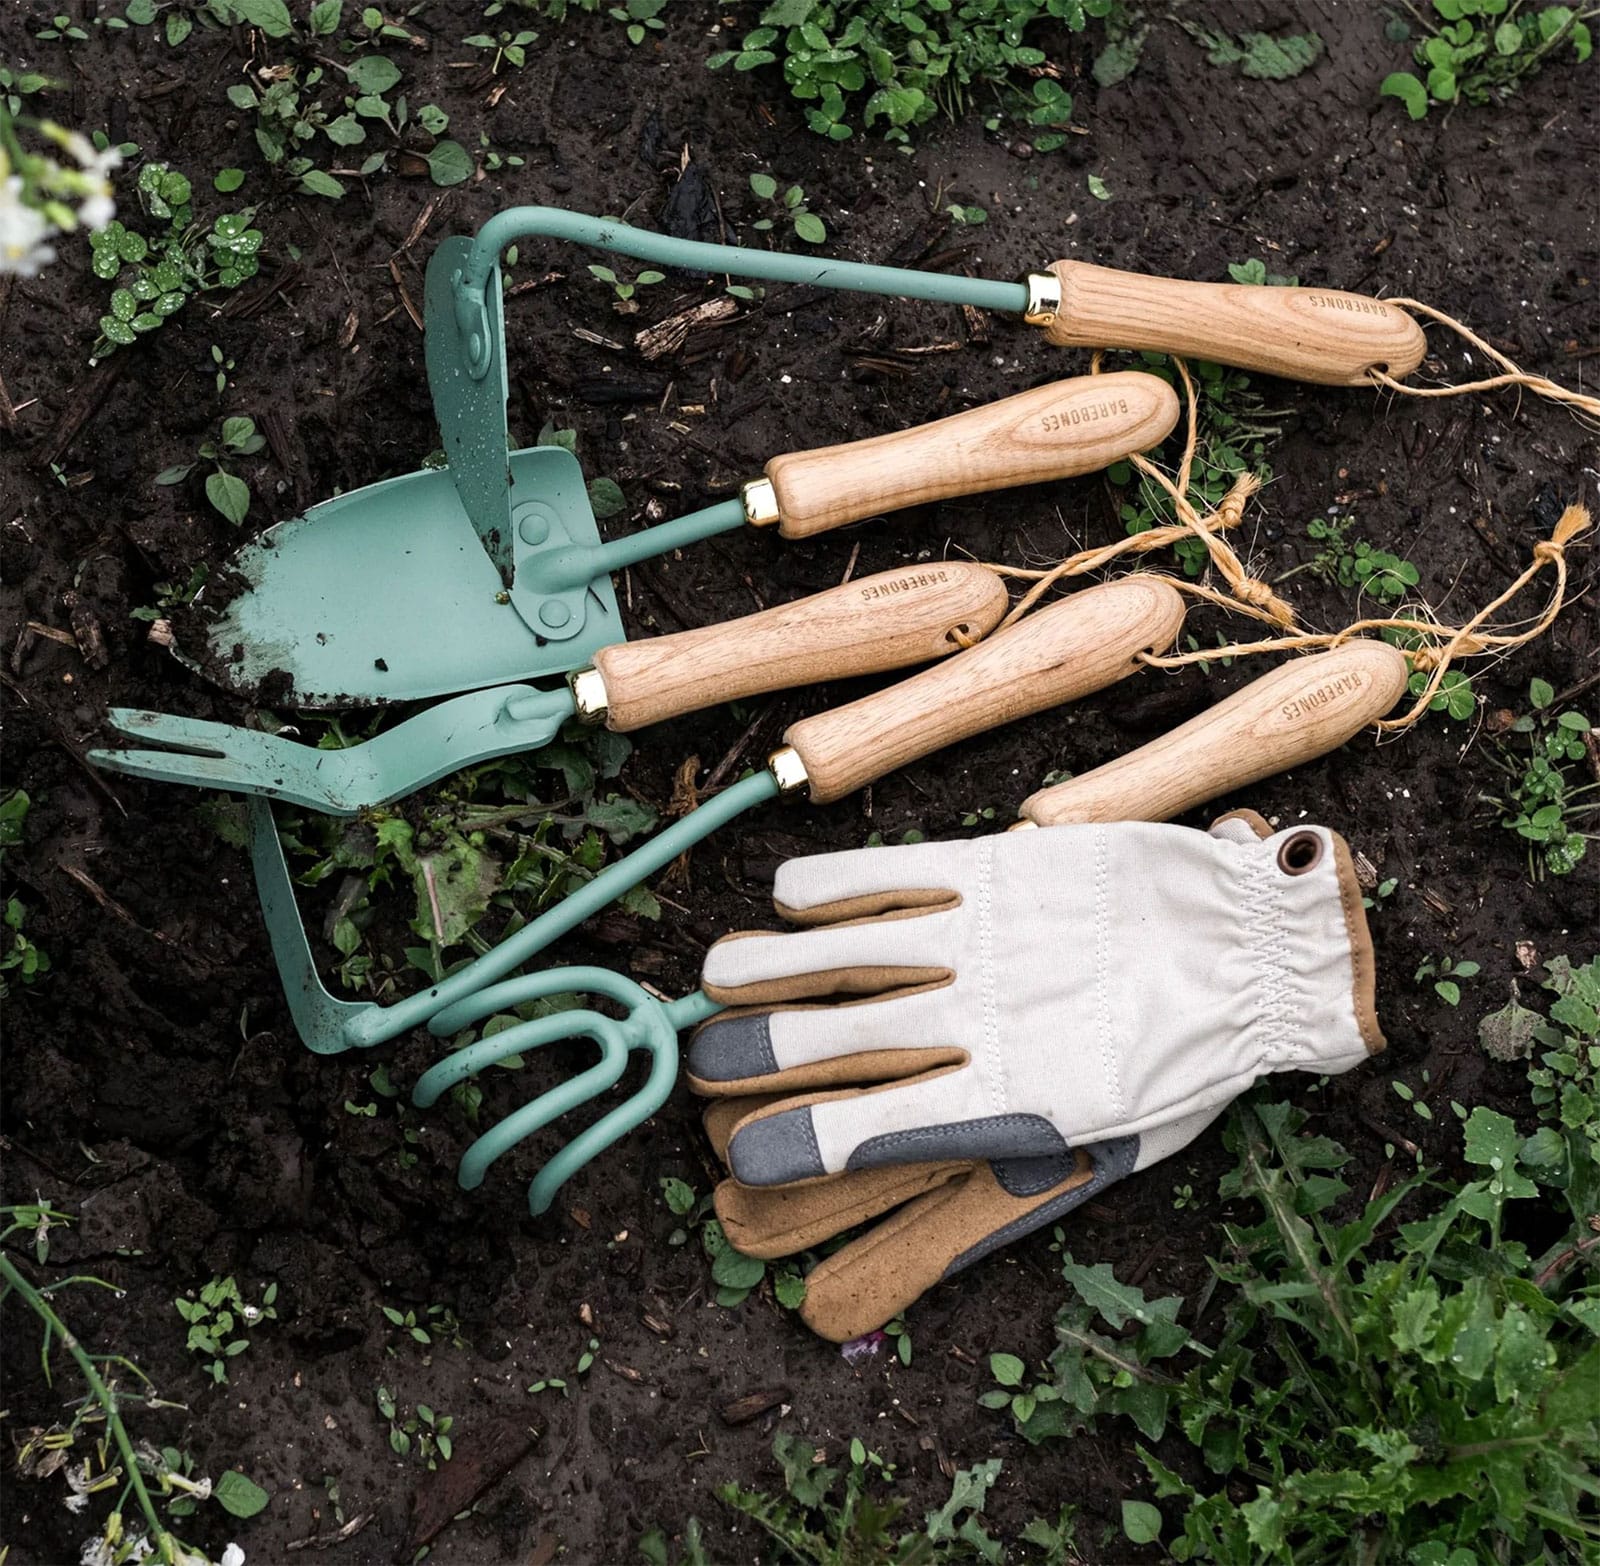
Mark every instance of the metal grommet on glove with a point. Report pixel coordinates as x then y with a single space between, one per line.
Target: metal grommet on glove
1300 853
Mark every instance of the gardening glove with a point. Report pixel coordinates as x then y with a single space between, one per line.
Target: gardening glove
1032 993
950 1215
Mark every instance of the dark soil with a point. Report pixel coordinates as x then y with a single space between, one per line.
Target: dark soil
156 1088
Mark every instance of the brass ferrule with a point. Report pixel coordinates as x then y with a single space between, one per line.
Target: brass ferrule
1044 298
787 769
589 700
760 501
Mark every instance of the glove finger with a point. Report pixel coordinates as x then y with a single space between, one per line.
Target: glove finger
781 1220
879 1276
927 1119
863 957
800 1048
825 888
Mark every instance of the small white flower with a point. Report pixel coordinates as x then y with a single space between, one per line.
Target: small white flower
23 232
232 1556
96 212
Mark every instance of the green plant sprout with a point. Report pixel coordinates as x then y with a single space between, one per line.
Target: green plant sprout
807 225
1446 973
623 288
228 493
1354 563
508 48
1543 807
1482 51
18 954
420 1430
216 1315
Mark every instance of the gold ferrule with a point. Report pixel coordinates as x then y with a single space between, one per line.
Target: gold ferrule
787 769
589 700
760 501
1044 298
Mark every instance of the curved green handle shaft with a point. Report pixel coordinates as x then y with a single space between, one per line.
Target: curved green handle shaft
506 228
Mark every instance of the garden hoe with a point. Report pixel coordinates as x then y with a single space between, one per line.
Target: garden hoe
1076 646
1294 714
887 621
499 556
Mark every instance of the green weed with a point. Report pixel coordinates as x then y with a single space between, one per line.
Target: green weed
228 493
418 1430
1354 563
1430 1397
1543 807
792 209
18 953
221 1320
1446 974
154 276
899 63
623 288
1482 51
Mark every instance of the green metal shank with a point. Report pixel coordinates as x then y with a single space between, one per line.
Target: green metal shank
518 223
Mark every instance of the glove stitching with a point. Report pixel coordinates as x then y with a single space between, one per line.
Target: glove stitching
991 1023
1267 919
1108 1049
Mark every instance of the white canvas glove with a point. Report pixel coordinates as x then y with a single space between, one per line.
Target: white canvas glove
1023 995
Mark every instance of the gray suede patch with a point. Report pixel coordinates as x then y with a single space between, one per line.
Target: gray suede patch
1028 1137
776 1149
1112 1161
729 1049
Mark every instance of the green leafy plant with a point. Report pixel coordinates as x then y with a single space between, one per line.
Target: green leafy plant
228 493
737 1276
793 209
62 29
902 62
624 288
1255 271
1354 563
153 277
417 1430
221 1320
1454 696
1483 51
1543 807
508 47
1446 974
1424 1397
435 1322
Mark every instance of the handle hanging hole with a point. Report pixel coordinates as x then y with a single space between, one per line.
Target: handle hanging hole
1300 854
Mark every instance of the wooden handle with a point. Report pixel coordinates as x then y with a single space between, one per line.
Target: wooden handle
878 622
1052 432
1076 646
1306 334
1296 713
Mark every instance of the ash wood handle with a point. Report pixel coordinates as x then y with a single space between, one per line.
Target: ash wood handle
886 621
1076 646
1305 334
1295 714
1052 432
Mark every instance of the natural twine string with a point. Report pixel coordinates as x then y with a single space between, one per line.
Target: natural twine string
1512 373
1443 645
